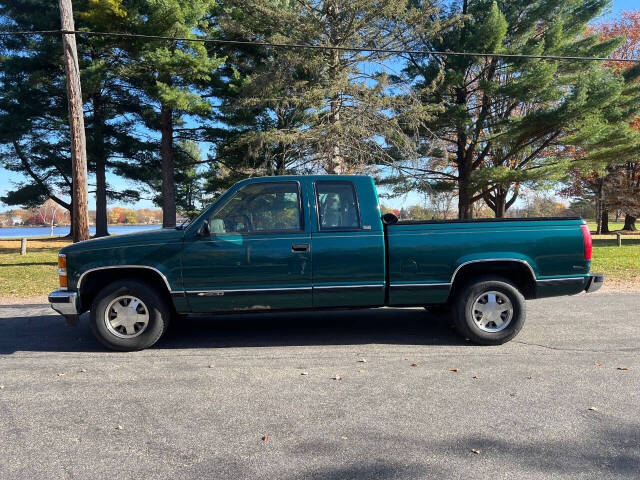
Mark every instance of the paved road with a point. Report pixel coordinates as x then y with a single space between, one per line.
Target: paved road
527 413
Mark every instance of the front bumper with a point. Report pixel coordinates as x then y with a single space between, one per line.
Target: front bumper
65 303
594 283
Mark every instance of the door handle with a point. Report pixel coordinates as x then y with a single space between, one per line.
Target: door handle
300 247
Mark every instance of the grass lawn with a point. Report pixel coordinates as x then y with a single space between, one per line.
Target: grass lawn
613 226
621 265
35 274
30 275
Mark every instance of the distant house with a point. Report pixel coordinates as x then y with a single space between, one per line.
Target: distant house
16 221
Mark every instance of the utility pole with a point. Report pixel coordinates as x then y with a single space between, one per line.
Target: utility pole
80 201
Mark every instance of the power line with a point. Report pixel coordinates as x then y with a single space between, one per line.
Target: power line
248 43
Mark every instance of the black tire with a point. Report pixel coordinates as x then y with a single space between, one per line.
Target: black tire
157 309
464 316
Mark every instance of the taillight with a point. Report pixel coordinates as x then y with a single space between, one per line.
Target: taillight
588 243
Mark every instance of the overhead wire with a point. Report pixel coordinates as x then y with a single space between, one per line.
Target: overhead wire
251 43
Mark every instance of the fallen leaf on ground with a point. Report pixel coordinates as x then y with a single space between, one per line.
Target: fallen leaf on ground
476 377
414 364
529 377
454 369
82 370
473 450
622 367
265 438
336 377
598 364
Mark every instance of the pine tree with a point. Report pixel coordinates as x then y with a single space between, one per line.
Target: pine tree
606 151
625 193
114 109
502 116
315 110
33 113
172 75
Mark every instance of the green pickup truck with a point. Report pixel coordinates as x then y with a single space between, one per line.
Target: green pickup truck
320 242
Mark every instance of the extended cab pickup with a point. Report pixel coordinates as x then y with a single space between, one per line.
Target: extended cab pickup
315 242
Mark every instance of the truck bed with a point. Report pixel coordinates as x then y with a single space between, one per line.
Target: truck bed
485 220
424 257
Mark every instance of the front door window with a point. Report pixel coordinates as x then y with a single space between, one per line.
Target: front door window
272 207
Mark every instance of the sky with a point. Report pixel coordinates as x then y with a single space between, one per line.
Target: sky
8 179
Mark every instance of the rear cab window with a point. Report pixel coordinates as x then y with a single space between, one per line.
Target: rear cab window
337 206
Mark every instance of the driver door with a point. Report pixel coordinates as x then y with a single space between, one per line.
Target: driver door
257 256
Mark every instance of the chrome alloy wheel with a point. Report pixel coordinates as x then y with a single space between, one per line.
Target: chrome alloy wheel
492 311
126 317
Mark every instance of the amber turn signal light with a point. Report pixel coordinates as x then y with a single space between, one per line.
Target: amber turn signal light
62 270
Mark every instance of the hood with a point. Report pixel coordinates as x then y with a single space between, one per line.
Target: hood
148 237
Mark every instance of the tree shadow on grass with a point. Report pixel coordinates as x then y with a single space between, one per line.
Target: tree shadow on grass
28 264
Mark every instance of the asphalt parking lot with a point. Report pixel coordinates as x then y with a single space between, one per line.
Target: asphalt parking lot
257 397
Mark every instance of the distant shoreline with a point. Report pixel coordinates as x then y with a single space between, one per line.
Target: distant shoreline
34 231
90 225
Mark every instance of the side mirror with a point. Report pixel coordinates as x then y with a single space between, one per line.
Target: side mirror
204 230
389 219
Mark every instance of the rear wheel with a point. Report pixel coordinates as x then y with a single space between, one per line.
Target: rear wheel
128 315
489 311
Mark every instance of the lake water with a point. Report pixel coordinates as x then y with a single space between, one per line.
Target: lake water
7 232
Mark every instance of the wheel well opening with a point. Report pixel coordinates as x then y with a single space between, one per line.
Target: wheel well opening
517 273
95 281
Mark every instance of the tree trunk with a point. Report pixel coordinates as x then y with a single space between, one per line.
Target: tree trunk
71 220
500 202
168 182
335 163
629 223
465 210
102 229
465 196
464 162
604 222
100 166
599 209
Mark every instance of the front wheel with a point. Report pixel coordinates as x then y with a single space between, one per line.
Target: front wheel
128 315
489 311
